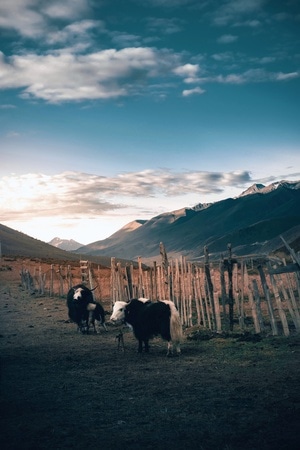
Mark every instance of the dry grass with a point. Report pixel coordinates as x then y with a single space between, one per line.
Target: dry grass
61 389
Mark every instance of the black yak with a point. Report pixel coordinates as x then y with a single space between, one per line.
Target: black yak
83 309
149 319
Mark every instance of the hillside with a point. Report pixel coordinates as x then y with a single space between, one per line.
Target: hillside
16 244
252 223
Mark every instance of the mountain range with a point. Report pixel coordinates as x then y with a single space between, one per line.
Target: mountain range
252 223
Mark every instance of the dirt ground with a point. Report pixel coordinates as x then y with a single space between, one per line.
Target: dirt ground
63 390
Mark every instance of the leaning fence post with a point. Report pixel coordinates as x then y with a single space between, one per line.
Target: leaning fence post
293 312
252 304
268 299
281 312
257 304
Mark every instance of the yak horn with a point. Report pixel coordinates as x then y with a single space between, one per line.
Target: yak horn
94 288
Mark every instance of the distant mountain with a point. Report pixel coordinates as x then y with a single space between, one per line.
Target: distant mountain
65 244
14 243
251 222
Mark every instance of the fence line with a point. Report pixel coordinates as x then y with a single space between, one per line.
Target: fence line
219 296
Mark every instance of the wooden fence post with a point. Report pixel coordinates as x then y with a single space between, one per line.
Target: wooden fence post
242 298
252 304
61 282
223 290
164 270
216 304
141 289
281 312
290 304
268 299
230 287
69 277
129 281
257 304
209 285
51 293
112 279
155 293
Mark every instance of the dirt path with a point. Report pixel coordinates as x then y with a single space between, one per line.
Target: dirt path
62 390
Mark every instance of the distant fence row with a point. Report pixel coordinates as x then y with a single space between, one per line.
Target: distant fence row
215 295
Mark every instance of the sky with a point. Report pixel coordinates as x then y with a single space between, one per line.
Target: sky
117 110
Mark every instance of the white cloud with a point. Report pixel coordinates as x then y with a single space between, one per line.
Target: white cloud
66 9
7 106
68 77
251 76
125 39
287 76
233 11
188 92
223 57
12 134
77 31
189 72
227 39
76 195
163 25
64 76
19 15
30 18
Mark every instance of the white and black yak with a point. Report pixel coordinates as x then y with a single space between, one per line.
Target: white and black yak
82 308
149 319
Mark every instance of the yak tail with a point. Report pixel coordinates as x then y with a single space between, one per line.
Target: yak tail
175 323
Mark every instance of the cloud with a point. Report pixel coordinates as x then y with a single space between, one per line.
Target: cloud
125 39
189 72
223 57
20 15
64 76
251 76
30 18
287 76
227 39
77 31
165 3
12 134
188 92
7 106
165 26
76 195
68 9
234 10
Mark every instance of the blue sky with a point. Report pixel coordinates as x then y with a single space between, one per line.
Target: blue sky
115 110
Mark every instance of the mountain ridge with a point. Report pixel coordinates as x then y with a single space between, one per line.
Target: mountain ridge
266 211
251 222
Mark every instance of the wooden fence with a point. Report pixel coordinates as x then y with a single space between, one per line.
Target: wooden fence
220 296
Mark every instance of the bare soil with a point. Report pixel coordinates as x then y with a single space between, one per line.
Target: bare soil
64 390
